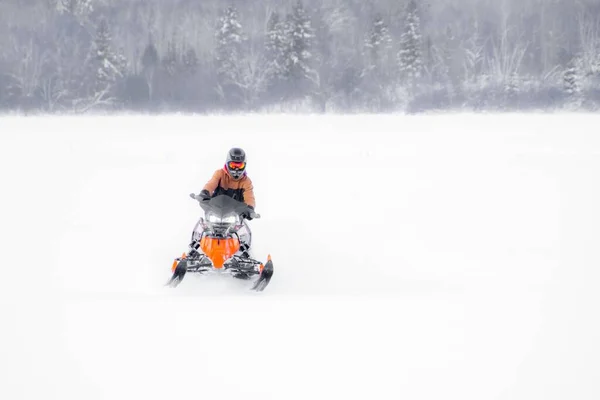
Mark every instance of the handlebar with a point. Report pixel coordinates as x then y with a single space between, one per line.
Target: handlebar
197 197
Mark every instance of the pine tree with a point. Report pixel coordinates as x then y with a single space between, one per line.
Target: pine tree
572 81
409 57
298 56
228 55
378 42
375 76
108 66
276 44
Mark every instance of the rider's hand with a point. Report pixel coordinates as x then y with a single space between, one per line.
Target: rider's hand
248 214
204 195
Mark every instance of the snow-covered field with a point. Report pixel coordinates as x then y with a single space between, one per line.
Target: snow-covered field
423 257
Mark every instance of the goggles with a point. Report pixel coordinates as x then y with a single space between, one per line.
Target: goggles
235 165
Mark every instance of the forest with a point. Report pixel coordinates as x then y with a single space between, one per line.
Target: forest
343 56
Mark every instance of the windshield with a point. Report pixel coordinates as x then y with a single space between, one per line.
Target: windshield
223 205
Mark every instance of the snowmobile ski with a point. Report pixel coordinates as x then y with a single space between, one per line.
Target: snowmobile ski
265 276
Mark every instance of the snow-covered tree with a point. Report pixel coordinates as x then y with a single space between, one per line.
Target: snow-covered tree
229 54
572 80
276 45
230 39
108 66
298 57
378 63
410 62
378 43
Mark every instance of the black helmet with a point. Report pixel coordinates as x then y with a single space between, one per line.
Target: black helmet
236 163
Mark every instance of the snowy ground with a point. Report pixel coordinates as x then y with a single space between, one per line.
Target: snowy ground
446 257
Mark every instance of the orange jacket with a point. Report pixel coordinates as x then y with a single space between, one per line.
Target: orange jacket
222 183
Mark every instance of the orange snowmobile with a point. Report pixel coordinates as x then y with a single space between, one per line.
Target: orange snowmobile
220 242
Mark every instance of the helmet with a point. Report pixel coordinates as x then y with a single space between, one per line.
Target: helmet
236 163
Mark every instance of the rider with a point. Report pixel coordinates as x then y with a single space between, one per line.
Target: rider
232 181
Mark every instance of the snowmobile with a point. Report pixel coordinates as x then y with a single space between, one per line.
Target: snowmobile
220 243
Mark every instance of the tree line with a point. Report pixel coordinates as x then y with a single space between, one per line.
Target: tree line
298 55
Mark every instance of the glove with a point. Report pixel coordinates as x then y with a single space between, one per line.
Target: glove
204 195
248 214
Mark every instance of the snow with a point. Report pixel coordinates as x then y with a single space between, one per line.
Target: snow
417 257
